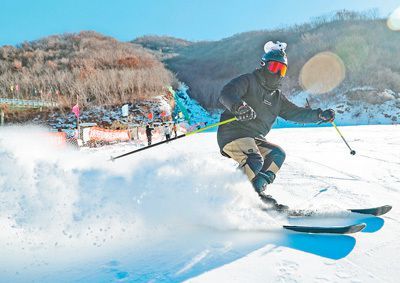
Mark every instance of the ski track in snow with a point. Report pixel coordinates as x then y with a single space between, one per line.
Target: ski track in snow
181 211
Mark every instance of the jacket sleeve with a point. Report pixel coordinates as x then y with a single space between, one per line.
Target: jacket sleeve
290 111
232 92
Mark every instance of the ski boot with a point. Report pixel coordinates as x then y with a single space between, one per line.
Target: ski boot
262 179
260 182
271 202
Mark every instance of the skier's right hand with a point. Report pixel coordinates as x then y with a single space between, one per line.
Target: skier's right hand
244 112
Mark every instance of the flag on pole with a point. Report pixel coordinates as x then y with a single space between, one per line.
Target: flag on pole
75 110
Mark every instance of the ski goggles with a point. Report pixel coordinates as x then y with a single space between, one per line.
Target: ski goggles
275 67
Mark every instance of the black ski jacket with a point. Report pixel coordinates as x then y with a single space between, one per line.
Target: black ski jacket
267 103
149 131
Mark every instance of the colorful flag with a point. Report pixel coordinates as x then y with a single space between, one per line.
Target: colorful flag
75 110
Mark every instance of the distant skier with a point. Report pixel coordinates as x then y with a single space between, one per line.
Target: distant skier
256 101
175 130
149 133
167 132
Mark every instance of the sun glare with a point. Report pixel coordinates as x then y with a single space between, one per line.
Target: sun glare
393 21
322 73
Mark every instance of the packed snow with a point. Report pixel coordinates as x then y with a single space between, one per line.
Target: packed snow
359 106
181 211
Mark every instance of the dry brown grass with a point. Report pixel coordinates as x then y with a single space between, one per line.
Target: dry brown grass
97 69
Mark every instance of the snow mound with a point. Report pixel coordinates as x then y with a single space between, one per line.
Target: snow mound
60 201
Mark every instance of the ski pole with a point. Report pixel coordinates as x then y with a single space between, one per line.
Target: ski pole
175 138
352 151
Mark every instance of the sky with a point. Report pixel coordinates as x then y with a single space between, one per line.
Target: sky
195 20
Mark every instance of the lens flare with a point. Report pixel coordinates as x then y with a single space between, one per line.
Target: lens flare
322 73
393 21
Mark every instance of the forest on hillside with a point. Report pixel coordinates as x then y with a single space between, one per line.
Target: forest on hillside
368 48
102 71
98 69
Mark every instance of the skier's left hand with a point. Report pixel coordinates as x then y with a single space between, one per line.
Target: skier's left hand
327 115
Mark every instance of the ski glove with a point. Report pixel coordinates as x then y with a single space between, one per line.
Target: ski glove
327 115
244 112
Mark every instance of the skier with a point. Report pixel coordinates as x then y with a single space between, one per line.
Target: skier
175 130
149 133
255 99
167 132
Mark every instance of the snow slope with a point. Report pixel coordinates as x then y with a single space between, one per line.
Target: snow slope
360 106
181 211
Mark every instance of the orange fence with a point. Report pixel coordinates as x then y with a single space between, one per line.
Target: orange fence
99 134
136 133
59 139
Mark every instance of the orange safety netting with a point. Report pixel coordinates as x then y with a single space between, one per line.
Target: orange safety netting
99 134
59 139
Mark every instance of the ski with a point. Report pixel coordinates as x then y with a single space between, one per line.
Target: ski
375 211
327 230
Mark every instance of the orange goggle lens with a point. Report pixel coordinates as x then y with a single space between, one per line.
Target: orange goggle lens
274 67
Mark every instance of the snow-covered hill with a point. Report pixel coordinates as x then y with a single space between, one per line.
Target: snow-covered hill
181 211
359 106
